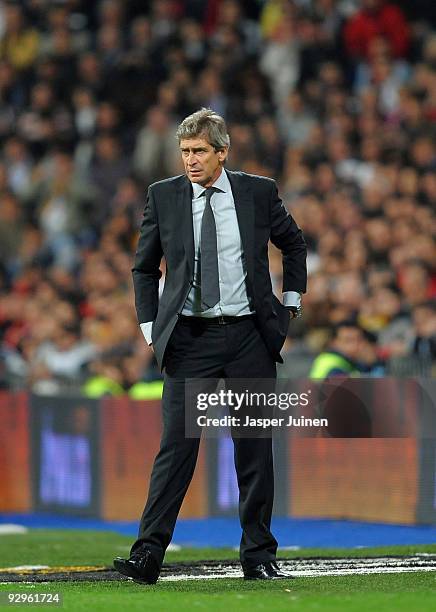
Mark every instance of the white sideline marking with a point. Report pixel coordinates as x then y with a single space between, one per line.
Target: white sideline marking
9 528
326 567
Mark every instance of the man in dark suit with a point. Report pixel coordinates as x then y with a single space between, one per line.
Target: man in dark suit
217 318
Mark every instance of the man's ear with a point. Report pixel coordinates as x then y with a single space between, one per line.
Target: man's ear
222 154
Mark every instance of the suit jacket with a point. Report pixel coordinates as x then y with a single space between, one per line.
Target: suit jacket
167 230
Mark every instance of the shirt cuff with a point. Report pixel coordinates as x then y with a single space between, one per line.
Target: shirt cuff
146 330
292 299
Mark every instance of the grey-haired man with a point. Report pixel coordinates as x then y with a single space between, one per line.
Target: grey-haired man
217 318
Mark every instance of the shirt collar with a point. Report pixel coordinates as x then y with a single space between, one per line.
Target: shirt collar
222 183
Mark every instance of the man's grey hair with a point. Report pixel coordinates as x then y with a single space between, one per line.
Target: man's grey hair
208 124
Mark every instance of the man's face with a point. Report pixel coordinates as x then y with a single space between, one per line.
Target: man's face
202 163
371 5
349 342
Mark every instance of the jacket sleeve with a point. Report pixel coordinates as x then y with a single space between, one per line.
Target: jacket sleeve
288 237
146 272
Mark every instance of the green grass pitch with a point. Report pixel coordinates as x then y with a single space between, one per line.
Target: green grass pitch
408 592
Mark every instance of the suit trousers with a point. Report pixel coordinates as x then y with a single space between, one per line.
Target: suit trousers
235 350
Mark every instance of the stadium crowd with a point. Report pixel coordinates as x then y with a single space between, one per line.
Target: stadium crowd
335 99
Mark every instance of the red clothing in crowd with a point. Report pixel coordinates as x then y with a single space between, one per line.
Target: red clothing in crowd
387 21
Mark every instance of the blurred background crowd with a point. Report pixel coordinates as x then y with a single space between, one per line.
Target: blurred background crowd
335 99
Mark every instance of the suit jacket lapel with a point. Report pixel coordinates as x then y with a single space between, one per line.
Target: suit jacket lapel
184 206
244 205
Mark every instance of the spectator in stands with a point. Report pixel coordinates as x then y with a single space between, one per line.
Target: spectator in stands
64 354
19 43
62 203
343 356
424 327
280 60
19 165
109 166
154 156
11 229
377 18
370 361
415 282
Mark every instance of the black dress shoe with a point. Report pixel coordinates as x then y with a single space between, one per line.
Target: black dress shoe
269 570
141 566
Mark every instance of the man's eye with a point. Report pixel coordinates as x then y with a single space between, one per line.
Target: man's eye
186 153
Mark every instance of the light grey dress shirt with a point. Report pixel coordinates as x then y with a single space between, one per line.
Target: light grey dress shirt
234 300
231 266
